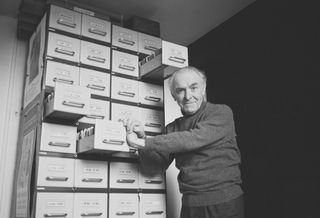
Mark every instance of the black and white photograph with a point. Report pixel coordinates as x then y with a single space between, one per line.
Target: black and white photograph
159 109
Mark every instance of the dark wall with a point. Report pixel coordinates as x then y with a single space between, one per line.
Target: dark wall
263 63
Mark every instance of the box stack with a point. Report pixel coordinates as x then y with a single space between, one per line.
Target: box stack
90 80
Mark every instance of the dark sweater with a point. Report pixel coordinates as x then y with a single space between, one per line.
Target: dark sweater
206 153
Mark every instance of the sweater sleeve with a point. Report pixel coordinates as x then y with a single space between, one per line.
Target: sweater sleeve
215 128
153 162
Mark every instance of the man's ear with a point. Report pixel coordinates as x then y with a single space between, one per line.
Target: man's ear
204 89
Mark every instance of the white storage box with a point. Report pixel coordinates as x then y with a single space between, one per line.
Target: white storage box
90 205
124 175
123 205
98 109
124 63
91 174
63 47
58 138
55 172
68 102
152 205
150 94
95 55
96 28
148 44
154 181
120 112
58 204
109 136
98 82
125 89
65 19
124 38
152 120
61 73
163 63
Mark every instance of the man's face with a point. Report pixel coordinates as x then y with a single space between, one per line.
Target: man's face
188 90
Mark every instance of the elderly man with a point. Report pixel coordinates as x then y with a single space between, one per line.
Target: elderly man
203 143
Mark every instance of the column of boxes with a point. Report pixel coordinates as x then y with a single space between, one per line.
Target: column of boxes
76 66
135 99
92 77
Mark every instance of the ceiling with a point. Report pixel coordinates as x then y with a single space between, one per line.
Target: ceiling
181 21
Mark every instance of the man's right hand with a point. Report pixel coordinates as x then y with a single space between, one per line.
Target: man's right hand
135 126
134 141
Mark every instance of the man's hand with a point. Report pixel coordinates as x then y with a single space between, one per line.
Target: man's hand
134 141
135 126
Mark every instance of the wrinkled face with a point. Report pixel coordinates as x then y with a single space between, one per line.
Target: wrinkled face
188 89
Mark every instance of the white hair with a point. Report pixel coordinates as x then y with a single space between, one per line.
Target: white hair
200 73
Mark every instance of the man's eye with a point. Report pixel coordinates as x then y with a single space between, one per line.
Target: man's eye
179 91
194 87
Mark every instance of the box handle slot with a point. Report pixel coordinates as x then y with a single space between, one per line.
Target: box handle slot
98 32
177 59
96 59
96 87
126 41
57 178
152 98
63 51
63 80
128 94
55 214
95 116
91 214
150 48
126 67
66 23
125 213
113 142
133 150
73 104
92 180
126 181
59 144
153 181
156 125
154 212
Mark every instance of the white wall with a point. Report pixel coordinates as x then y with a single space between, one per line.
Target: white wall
12 64
171 112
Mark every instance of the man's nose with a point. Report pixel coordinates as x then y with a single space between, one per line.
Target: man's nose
187 95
